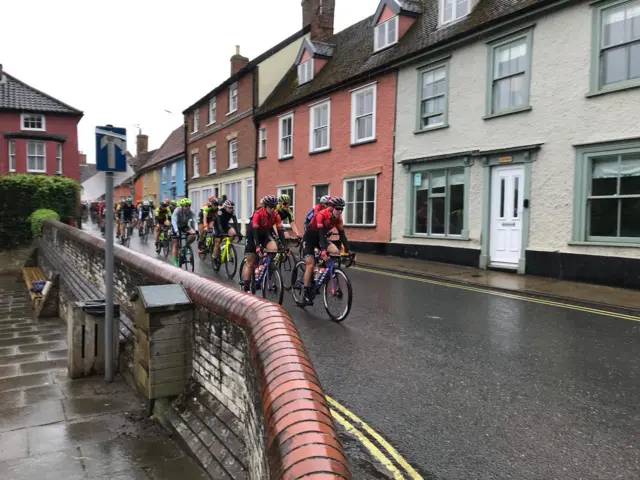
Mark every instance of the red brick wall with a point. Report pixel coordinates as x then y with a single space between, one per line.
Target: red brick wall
306 170
58 125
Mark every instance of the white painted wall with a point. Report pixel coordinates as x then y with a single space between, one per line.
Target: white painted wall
561 116
271 71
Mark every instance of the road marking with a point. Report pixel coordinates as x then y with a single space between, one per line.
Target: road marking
392 451
505 295
375 451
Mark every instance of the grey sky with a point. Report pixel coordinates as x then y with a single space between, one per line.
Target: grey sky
125 62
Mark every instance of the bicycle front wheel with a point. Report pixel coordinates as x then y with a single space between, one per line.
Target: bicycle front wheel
286 269
165 248
231 265
337 290
297 283
272 286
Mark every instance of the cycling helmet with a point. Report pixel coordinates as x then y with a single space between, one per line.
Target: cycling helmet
262 201
145 203
284 198
174 203
325 199
129 200
337 202
228 204
270 201
185 202
163 204
213 200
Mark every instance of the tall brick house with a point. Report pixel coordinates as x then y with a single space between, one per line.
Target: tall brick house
38 133
221 136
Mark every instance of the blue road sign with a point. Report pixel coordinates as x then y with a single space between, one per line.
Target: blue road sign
111 149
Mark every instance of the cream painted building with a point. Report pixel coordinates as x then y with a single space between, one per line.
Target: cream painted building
518 147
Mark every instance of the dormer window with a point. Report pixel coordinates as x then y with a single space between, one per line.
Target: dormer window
452 10
386 33
305 71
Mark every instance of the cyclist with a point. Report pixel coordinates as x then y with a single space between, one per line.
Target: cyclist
317 209
259 234
206 219
225 216
116 213
315 236
162 214
183 220
286 215
144 212
127 212
172 205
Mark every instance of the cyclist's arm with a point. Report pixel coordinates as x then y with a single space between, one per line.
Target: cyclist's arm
255 224
343 239
140 215
218 223
294 228
280 228
174 220
322 237
236 226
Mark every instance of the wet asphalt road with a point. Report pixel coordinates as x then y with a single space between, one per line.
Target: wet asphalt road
467 385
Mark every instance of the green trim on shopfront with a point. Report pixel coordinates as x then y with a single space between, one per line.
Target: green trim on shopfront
519 155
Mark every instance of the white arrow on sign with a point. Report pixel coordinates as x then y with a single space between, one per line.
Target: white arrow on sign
111 143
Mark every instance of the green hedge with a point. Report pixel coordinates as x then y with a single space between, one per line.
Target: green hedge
21 195
38 217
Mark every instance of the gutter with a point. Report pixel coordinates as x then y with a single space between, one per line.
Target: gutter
186 160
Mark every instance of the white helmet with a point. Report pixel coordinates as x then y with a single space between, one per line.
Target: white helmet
145 203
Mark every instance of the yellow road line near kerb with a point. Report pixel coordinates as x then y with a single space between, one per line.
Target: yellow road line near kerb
392 451
375 451
505 295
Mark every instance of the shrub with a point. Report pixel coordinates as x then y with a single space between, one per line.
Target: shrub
38 217
21 195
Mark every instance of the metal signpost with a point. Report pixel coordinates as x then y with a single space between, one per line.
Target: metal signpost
111 148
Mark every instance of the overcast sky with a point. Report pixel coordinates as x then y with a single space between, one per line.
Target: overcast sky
126 62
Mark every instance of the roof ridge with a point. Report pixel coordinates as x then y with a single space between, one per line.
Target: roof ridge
73 109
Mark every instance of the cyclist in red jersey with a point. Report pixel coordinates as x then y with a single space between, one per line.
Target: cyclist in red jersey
315 236
259 234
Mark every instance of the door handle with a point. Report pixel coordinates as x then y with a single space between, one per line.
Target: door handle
508 224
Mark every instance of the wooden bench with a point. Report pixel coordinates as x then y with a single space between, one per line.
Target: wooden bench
32 274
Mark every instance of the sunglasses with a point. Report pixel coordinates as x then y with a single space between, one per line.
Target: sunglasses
338 209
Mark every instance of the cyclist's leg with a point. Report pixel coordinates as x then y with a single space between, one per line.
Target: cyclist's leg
250 255
333 249
309 242
176 236
217 240
157 234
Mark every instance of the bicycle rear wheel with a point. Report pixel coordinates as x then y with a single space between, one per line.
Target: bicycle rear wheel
231 265
286 270
337 291
190 260
272 286
165 248
297 283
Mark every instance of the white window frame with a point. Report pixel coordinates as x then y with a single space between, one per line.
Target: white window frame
249 198
263 140
233 99
196 119
292 205
354 130
44 156
59 158
163 175
305 72
454 15
27 117
213 160
313 128
384 26
213 105
233 164
364 214
328 185
174 172
145 179
281 120
237 200
12 155
196 165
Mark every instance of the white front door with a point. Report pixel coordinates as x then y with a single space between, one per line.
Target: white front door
507 186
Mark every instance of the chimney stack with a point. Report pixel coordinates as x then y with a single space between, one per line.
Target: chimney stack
238 61
142 144
320 15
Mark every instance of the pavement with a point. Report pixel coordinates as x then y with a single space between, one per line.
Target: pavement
473 383
56 428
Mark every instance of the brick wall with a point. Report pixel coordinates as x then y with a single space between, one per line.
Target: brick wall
257 397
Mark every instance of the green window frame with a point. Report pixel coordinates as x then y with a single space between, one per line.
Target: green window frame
613 48
509 74
434 209
607 194
433 96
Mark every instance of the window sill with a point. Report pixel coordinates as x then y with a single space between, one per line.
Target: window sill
288 157
210 123
36 171
232 168
604 244
386 47
195 176
262 157
322 150
364 142
33 129
232 112
212 172
431 129
508 112
613 88
360 226
193 133
437 237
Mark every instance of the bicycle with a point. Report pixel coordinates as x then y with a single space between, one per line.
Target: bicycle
328 277
185 257
125 238
208 246
228 256
266 277
286 263
165 241
144 230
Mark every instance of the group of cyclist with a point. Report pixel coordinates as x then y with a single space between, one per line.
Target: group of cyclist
265 231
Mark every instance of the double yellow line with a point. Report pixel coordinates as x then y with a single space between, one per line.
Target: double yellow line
369 437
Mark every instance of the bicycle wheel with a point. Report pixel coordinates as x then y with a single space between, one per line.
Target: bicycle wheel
337 290
242 280
286 269
231 265
205 250
297 283
189 259
145 234
272 286
165 248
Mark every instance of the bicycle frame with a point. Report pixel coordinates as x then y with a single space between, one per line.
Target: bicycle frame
225 249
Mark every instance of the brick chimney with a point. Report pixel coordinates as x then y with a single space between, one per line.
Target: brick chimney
319 14
238 61
142 144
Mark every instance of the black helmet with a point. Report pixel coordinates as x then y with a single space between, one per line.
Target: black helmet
337 202
163 205
270 201
228 204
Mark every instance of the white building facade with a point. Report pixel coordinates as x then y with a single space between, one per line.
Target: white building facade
520 148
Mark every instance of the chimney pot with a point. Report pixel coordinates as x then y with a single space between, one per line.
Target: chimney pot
320 15
237 49
238 61
142 144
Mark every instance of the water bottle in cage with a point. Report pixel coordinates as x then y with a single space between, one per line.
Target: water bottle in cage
316 274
